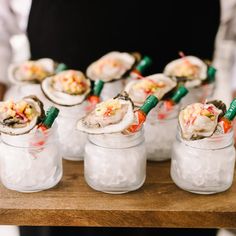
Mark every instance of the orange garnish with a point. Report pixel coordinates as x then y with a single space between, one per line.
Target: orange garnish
108 111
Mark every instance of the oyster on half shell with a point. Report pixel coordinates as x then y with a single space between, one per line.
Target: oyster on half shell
31 71
67 88
112 66
157 84
191 70
20 117
111 116
198 120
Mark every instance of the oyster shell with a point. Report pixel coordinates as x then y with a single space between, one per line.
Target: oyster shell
190 70
157 84
198 121
111 66
20 117
67 88
31 71
220 105
111 116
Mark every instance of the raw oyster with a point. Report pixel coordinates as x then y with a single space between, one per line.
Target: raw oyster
31 71
190 70
20 117
157 84
198 120
111 116
111 66
67 88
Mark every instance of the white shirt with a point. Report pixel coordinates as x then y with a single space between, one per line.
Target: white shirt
225 52
13 21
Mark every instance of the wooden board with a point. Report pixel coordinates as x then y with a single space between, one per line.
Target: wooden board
159 203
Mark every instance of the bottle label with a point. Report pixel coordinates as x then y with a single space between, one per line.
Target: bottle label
150 103
211 73
144 64
179 94
231 112
51 115
98 86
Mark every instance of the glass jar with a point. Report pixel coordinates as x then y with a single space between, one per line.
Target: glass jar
115 163
203 166
160 130
72 141
27 165
198 94
111 89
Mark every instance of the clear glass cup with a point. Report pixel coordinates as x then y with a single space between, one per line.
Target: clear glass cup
115 163
198 94
160 130
27 164
203 166
72 141
111 89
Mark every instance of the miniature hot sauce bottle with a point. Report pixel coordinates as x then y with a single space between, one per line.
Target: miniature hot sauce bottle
141 114
211 72
47 123
137 72
176 98
60 67
94 98
51 115
226 121
170 103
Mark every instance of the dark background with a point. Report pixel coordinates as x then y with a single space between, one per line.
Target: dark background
78 32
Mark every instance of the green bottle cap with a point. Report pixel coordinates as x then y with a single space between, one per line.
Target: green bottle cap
231 112
179 94
211 73
97 88
143 64
61 67
51 115
150 103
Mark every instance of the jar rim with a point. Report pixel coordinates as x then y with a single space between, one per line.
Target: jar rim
13 140
208 143
214 136
117 140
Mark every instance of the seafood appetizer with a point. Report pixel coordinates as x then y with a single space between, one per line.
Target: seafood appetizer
111 116
191 71
199 120
112 66
157 84
20 117
71 91
67 88
33 71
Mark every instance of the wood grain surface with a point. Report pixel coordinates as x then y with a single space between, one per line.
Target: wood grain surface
159 203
